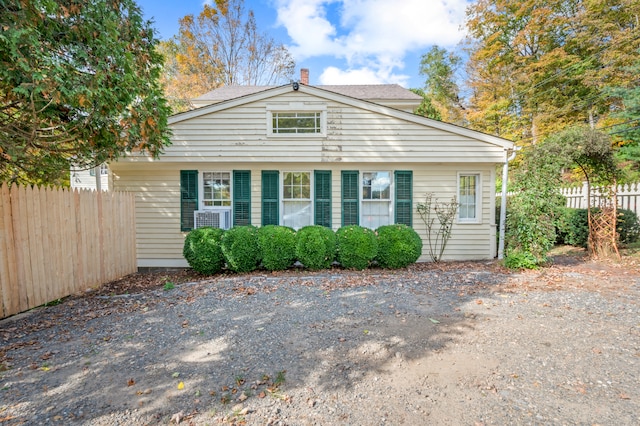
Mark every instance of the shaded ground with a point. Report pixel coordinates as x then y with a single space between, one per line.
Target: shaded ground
456 343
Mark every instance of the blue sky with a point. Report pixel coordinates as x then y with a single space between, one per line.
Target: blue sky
343 41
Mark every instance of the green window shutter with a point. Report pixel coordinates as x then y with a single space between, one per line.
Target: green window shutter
270 199
322 202
404 197
188 198
241 197
350 201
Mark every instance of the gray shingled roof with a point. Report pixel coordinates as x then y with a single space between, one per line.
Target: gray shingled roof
362 91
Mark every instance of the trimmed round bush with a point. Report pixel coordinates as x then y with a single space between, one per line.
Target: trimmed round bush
277 247
240 248
202 250
316 246
357 246
398 246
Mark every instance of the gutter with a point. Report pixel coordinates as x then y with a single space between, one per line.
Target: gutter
503 201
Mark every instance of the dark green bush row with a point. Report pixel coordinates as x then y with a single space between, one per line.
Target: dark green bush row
572 227
245 248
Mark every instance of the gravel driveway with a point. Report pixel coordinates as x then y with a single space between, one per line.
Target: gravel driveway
453 344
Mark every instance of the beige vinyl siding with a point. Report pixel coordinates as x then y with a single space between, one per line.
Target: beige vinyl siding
352 135
160 241
468 240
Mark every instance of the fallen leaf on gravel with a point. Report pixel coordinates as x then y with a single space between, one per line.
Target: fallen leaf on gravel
624 396
479 302
180 385
176 417
435 321
131 382
262 395
175 375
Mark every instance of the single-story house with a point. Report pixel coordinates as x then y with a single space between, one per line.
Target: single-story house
298 154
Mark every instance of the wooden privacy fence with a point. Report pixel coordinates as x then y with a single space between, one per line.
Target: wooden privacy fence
56 242
628 196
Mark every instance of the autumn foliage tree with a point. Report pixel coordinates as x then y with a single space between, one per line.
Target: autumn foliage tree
222 46
78 86
536 67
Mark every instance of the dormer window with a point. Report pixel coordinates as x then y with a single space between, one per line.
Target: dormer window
296 119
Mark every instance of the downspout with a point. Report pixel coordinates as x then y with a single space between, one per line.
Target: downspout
503 202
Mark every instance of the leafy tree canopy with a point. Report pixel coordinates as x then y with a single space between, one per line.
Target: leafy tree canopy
426 108
539 66
221 46
439 67
626 131
78 85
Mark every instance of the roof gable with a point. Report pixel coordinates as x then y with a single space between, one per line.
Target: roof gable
258 93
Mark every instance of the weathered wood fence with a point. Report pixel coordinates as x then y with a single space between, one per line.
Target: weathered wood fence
628 196
56 242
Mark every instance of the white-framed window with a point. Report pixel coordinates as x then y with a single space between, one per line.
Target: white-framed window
296 122
216 189
376 196
297 205
215 201
104 170
296 119
469 198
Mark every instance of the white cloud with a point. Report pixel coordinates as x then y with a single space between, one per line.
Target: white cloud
308 27
333 75
373 36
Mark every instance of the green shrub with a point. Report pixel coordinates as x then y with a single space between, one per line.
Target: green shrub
562 225
573 229
519 259
357 246
202 250
398 246
240 248
578 228
316 246
628 226
277 247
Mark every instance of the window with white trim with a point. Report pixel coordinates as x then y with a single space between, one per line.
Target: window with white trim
216 189
296 122
469 197
104 170
296 119
376 199
297 207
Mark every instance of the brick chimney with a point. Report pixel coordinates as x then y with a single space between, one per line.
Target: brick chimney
304 76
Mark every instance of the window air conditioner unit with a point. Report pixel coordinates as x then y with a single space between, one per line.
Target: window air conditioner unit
214 218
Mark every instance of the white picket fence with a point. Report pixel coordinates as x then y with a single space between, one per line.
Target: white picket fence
628 196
